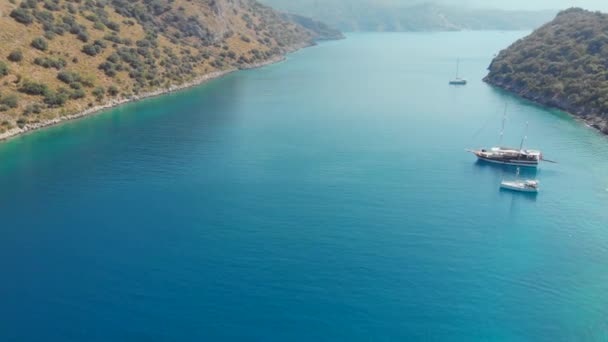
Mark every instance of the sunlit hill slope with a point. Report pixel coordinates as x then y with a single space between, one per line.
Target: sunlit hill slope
59 57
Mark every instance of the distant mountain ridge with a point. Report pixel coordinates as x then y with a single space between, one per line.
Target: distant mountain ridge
563 64
368 15
321 30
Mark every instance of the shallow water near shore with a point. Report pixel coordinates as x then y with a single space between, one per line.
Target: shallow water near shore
327 197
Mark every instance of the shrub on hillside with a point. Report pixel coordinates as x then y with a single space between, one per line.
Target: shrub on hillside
99 26
52 5
74 80
35 108
49 35
108 68
88 80
68 19
100 43
56 98
91 17
114 58
34 88
29 4
22 16
40 44
83 36
99 93
113 90
112 26
10 101
114 38
60 29
3 69
15 56
76 28
44 17
94 49
78 94
21 122
46 62
91 49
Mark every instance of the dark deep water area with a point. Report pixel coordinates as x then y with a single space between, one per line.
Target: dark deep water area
325 198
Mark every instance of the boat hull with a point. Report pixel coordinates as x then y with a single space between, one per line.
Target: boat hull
458 82
517 187
514 162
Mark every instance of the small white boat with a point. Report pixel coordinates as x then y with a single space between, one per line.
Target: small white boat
458 80
521 185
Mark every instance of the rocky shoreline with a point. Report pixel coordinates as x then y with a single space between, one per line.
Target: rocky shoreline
17 131
586 115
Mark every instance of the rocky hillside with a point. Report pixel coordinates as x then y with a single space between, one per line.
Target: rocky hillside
60 57
563 64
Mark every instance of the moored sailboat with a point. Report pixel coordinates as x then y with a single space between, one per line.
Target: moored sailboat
458 80
509 155
521 185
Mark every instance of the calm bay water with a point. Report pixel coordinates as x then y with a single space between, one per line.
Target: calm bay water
328 197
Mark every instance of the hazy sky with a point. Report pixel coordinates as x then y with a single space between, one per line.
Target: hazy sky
601 5
535 4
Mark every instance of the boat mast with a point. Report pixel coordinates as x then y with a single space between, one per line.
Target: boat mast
504 119
523 140
457 67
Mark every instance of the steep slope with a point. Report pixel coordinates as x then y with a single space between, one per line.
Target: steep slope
399 15
321 30
60 57
563 64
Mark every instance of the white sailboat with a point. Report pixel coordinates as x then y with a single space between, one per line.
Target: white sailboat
458 80
510 155
521 185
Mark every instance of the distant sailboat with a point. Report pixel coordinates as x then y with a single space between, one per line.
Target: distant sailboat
458 80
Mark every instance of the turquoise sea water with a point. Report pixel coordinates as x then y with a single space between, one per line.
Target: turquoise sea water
326 198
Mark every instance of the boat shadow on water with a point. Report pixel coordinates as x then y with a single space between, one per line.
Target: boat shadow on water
501 172
531 196
507 170
517 198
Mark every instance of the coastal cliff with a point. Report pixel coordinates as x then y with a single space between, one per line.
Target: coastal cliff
563 64
63 59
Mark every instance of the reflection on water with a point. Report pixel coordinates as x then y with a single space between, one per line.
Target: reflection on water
502 172
507 170
516 198
531 196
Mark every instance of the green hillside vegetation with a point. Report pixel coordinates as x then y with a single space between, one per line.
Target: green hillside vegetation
563 64
59 57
